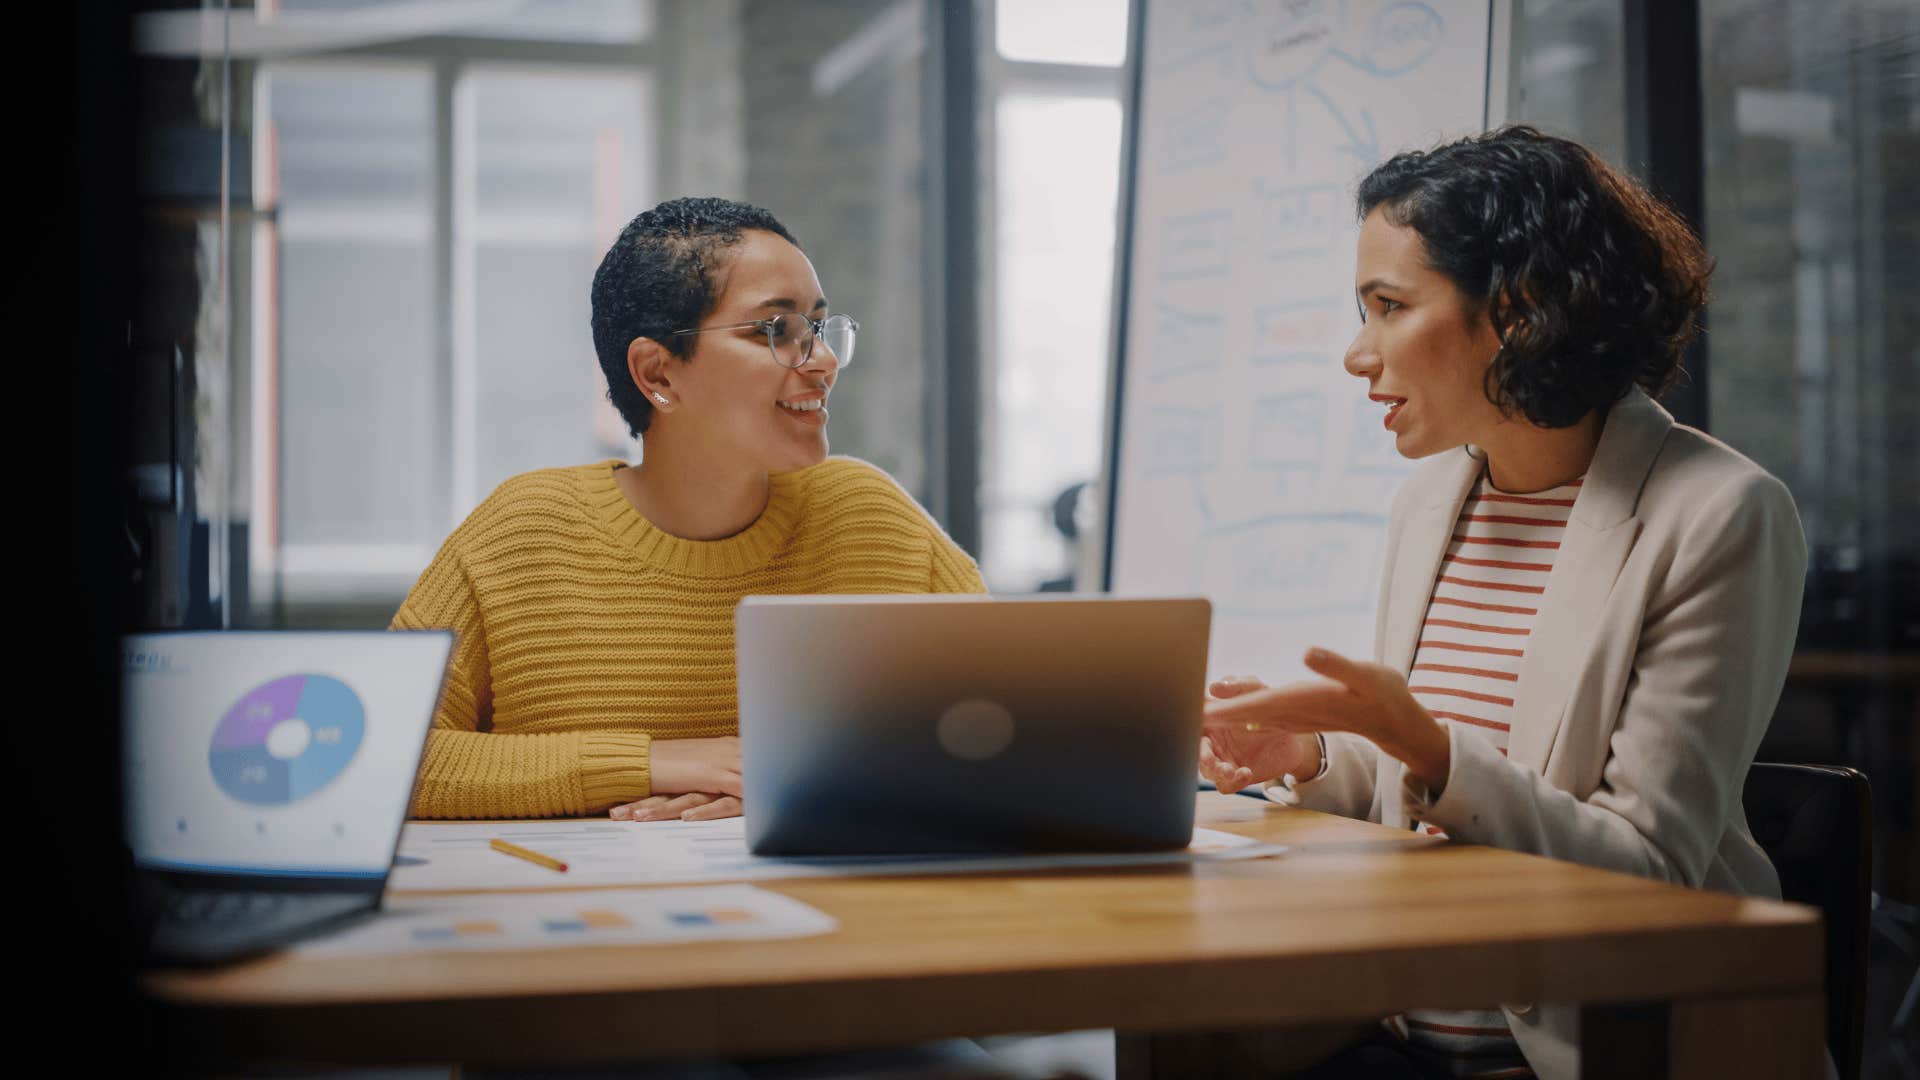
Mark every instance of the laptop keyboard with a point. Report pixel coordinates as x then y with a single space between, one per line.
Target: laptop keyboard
197 926
223 907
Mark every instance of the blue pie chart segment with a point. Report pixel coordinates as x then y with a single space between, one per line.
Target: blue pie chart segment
286 739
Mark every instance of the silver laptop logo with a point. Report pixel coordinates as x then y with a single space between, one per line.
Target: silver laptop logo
975 729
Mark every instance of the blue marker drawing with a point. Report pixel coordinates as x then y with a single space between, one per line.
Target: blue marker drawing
1299 222
1183 342
1177 440
1302 332
1195 245
1402 37
1209 15
1246 495
1287 40
1197 137
1365 147
1208 71
1286 429
1202 506
1191 29
1302 564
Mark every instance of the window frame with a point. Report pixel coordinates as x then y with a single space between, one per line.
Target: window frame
1002 78
301 578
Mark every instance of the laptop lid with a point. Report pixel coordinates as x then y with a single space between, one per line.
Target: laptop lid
285 755
930 724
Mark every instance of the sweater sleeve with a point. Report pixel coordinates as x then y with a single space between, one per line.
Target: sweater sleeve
470 772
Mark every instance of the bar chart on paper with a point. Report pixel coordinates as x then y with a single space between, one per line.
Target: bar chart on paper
600 917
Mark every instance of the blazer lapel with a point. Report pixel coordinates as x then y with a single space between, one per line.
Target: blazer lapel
1422 544
1600 535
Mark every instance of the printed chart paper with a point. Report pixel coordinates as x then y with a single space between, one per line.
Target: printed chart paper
605 852
600 917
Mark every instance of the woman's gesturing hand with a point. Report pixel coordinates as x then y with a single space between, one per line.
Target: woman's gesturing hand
1233 757
1367 699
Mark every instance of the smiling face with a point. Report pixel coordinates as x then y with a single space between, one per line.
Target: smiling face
1422 349
730 398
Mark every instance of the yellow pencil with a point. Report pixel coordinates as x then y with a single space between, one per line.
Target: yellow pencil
519 852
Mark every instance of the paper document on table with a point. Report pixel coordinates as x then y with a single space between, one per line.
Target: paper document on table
552 920
605 852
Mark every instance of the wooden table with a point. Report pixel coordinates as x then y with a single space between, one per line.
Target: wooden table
1357 921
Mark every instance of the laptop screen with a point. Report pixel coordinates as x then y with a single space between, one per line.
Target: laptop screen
281 753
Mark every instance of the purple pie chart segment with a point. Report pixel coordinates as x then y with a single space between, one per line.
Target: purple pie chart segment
286 739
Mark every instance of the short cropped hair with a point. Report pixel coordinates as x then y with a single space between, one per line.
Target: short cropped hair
1593 284
664 274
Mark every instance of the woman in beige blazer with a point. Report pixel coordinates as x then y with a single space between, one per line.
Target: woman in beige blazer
1520 301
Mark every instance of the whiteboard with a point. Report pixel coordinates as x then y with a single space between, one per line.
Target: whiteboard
1244 464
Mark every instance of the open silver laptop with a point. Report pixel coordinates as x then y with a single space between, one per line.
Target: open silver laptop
267 778
897 725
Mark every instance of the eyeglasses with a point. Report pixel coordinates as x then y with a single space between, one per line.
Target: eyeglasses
790 337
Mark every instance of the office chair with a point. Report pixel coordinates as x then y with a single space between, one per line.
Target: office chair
1816 823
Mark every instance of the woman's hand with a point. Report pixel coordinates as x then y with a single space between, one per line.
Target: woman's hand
1367 699
1233 758
696 806
705 773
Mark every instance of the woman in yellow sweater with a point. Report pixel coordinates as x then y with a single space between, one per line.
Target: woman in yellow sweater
594 670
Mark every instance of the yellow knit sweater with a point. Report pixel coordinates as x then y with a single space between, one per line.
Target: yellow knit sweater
585 632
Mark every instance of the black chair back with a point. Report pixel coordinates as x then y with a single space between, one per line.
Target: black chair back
1816 823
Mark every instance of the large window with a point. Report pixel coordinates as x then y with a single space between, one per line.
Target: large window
429 213
1811 157
1812 126
433 188
344 388
1054 80
1568 72
556 163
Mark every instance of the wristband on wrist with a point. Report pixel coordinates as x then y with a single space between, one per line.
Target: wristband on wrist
1325 762
1289 781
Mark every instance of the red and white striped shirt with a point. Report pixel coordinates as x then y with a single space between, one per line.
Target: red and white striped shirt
1484 604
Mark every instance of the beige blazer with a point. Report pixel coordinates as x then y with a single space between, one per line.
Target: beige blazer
1650 676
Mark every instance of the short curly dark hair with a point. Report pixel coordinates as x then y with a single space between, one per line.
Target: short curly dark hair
1593 284
664 274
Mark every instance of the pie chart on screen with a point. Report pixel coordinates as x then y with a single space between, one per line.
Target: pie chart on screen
286 739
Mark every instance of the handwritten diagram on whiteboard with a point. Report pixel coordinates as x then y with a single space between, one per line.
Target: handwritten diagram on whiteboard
1250 467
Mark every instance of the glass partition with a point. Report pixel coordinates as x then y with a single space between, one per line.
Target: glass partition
1813 165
